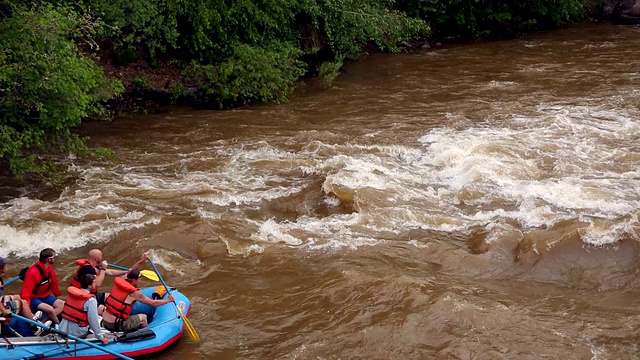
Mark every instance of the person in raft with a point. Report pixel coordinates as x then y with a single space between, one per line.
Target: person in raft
94 264
40 281
11 304
80 312
117 315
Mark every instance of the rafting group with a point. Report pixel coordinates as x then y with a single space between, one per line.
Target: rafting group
38 320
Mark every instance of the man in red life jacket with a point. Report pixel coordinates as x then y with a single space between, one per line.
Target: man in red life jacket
117 315
80 311
94 264
40 281
11 304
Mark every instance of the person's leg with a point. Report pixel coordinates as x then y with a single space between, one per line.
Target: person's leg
143 320
21 327
58 306
49 312
50 306
134 322
25 310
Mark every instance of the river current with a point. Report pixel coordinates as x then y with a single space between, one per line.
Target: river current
477 201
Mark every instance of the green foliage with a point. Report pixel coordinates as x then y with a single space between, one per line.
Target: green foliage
140 83
149 22
251 73
349 25
487 18
211 29
330 70
240 51
46 87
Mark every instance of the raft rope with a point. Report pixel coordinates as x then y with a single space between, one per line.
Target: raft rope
61 350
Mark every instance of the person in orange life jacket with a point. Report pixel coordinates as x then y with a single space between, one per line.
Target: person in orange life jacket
11 304
80 311
94 264
117 315
40 281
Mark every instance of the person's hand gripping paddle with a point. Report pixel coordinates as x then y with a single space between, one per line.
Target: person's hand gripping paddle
190 329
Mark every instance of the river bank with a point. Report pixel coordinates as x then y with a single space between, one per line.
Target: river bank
475 201
66 63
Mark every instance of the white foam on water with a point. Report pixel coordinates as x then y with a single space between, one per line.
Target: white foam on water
254 249
504 164
553 166
274 232
332 232
606 44
28 241
501 84
553 163
174 262
538 170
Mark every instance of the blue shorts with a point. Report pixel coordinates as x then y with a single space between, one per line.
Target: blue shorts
49 300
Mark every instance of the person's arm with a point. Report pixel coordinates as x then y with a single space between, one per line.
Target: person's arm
91 307
29 283
55 288
137 265
138 295
112 272
142 260
99 276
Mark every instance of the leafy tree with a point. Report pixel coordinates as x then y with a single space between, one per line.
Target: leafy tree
47 86
349 25
250 74
486 18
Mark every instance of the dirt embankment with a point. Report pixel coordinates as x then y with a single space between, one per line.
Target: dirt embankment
149 86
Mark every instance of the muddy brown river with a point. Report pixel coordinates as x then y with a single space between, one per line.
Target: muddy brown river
466 202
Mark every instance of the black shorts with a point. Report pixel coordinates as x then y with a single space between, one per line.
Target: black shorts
100 297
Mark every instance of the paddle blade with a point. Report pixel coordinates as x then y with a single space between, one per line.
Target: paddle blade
150 275
190 329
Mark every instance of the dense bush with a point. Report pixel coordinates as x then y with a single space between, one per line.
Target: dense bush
46 86
250 73
486 18
212 30
237 51
348 25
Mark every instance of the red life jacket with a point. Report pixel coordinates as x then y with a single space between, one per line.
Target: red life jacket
115 303
74 280
42 286
74 306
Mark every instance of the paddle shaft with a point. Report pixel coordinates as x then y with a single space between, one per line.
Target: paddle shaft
71 337
13 279
146 273
118 267
190 330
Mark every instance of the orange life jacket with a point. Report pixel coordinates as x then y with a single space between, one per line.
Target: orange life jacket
74 306
74 279
115 303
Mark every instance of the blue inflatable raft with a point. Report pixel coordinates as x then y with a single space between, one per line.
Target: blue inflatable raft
166 327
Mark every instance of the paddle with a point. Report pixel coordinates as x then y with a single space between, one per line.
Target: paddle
146 273
13 279
190 329
64 334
